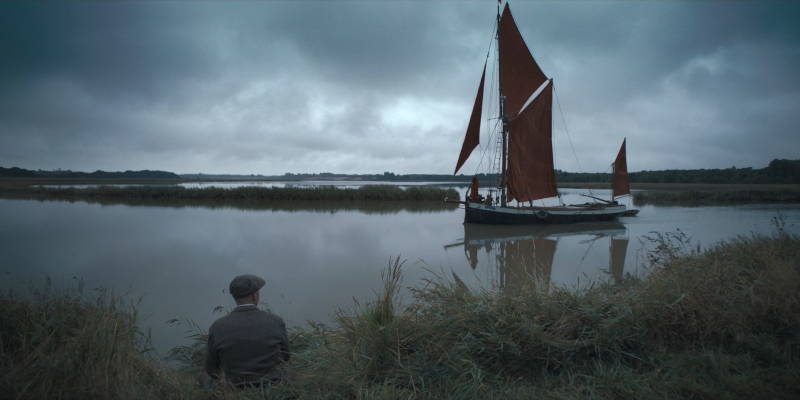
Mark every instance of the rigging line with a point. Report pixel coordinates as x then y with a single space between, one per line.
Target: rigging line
566 130
486 62
492 130
490 104
485 149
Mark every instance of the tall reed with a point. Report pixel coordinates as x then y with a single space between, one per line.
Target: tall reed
64 345
704 324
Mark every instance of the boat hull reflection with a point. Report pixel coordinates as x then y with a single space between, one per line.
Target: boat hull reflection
523 255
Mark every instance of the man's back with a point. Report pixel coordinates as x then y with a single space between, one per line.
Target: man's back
248 344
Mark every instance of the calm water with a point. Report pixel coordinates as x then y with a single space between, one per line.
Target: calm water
180 260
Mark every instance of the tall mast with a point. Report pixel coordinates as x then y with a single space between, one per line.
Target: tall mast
504 133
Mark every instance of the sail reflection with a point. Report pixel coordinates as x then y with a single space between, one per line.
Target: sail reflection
619 246
521 257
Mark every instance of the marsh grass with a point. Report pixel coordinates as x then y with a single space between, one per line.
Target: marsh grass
718 323
244 194
66 345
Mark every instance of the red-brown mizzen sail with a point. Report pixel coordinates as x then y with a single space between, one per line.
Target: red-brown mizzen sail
520 76
530 150
472 138
618 249
620 185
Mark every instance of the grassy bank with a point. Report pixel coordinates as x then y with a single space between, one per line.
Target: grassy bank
59 345
716 197
246 195
723 323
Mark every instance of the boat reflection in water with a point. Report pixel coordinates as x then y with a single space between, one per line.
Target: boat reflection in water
523 254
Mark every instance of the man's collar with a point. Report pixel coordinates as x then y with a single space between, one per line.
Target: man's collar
245 307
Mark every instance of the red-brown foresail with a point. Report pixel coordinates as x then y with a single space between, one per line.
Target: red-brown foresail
472 138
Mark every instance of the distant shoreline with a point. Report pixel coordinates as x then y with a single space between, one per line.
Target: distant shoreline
166 192
778 171
567 185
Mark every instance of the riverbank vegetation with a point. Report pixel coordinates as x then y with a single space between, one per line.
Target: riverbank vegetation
17 173
715 197
60 345
778 171
719 323
239 196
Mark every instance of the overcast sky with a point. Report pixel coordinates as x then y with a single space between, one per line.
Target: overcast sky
366 87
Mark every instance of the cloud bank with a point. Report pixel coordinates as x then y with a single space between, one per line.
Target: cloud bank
365 87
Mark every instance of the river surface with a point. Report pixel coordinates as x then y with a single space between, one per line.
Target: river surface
179 260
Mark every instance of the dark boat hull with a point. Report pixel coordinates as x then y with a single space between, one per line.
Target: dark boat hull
476 213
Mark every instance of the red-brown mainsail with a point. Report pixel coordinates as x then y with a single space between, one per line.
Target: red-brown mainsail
472 138
620 185
530 151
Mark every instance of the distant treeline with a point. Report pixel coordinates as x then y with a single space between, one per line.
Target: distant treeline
15 172
778 171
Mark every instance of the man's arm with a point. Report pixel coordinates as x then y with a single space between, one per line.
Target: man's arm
212 357
284 342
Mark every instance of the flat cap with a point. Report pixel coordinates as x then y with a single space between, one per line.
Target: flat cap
244 285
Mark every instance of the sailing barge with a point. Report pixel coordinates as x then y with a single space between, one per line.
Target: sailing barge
526 173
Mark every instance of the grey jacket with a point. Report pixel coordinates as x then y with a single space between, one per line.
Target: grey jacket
247 344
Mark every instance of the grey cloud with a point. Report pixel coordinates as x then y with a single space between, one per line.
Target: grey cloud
270 87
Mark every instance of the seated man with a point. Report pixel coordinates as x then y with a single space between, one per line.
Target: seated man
248 344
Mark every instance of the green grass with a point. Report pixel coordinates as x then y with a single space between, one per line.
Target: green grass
720 323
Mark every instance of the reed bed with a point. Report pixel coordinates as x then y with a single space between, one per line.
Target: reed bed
241 195
719 323
65 345
718 197
722 323
314 206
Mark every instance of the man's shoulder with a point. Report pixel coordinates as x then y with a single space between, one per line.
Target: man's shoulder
251 314
221 321
273 317
265 316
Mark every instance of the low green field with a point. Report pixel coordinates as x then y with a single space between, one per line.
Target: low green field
715 197
721 323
